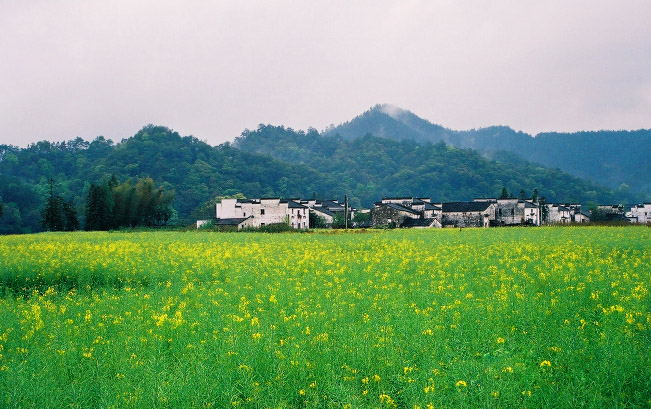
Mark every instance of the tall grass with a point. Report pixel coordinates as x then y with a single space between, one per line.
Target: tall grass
518 317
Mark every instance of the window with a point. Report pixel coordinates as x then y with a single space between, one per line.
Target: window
244 214
261 212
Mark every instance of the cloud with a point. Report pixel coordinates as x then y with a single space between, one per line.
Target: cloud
212 69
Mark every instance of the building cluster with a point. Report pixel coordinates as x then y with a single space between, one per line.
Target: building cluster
254 213
413 212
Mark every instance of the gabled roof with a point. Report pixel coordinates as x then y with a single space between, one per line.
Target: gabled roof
400 208
322 210
293 205
409 222
429 206
529 205
230 222
465 207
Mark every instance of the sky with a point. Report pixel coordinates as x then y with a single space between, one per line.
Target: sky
214 68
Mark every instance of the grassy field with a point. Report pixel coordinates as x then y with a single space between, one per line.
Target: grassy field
517 317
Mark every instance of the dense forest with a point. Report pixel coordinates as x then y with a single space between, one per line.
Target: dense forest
268 161
617 159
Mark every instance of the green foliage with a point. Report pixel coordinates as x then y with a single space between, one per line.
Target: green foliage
369 167
113 205
58 214
604 157
316 221
272 161
504 194
99 208
362 217
505 318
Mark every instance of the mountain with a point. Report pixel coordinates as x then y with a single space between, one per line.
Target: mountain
273 161
370 167
611 158
196 171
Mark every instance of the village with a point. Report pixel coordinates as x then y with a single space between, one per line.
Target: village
413 212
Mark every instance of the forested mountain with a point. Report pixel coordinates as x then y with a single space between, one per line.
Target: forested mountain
196 171
609 158
270 161
371 167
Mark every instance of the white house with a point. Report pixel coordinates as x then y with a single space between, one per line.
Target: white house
557 213
641 213
264 211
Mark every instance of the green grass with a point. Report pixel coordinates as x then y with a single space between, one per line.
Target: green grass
517 317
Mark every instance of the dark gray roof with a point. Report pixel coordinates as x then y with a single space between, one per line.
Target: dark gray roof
400 208
322 210
331 204
229 222
293 205
465 207
528 205
409 222
397 198
429 206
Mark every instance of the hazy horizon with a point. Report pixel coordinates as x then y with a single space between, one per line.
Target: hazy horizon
84 69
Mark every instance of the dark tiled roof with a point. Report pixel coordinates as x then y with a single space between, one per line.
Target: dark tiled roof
528 205
465 207
293 205
397 198
429 206
409 222
322 210
400 208
229 222
331 205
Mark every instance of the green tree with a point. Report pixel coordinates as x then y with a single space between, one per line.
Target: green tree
505 194
70 220
544 211
522 195
51 215
99 208
316 221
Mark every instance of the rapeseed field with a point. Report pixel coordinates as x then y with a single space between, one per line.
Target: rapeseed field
513 317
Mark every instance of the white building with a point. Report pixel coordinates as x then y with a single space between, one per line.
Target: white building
640 213
264 211
558 213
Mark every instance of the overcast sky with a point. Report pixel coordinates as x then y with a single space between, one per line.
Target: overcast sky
213 68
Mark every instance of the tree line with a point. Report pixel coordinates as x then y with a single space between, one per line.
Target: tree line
111 205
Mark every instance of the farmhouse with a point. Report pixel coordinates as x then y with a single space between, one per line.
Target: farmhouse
558 213
640 213
327 209
392 214
514 212
264 211
468 214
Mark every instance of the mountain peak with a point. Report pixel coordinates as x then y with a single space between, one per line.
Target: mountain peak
391 110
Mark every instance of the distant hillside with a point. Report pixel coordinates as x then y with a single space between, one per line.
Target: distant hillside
272 161
371 167
196 171
609 158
